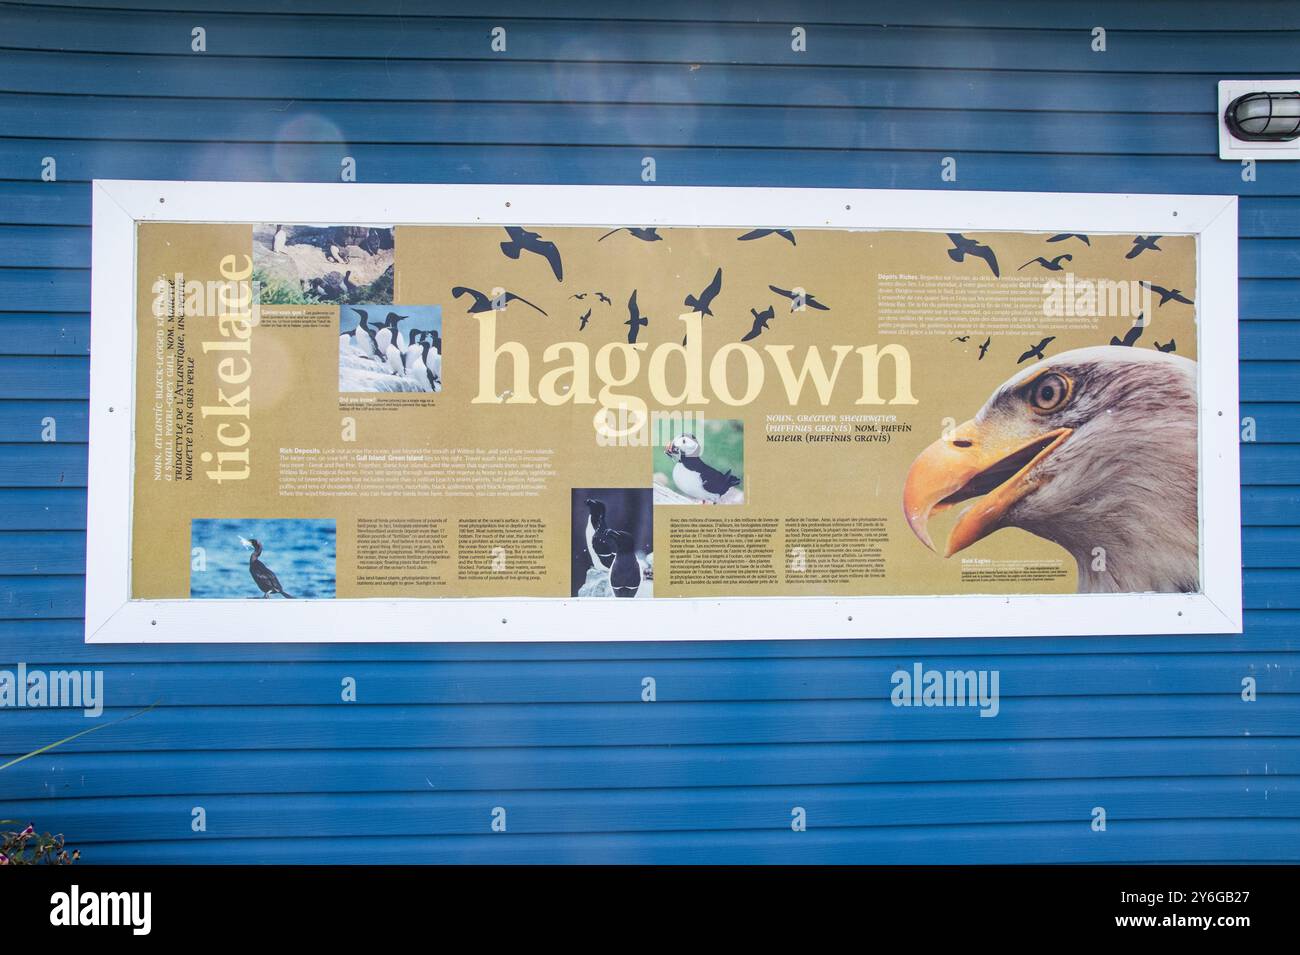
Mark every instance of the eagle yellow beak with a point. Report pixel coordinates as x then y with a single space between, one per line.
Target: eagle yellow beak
977 461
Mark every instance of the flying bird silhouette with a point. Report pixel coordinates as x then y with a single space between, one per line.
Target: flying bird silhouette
521 240
797 299
1062 236
760 322
645 235
1036 351
761 233
579 295
483 303
604 298
584 319
1131 336
1171 345
1052 265
1168 294
705 299
1143 243
962 247
962 338
985 348
634 321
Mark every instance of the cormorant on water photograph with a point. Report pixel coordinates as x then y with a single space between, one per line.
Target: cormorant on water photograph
310 265
390 348
612 542
699 460
261 558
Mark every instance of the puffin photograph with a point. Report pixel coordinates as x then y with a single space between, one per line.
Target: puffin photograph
698 481
1092 448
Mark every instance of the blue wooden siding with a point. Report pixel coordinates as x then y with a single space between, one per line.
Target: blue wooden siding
1151 728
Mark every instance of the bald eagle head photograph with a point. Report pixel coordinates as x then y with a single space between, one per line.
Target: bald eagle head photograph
1094 449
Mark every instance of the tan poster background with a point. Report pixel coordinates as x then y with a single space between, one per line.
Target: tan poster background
818 516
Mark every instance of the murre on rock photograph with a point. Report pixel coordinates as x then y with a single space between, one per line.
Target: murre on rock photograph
699 460
262 558
390 348
311 264
613 542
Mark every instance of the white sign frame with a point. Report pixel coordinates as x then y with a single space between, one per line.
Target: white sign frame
112 617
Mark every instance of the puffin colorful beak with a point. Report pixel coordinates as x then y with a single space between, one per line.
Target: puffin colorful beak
977 461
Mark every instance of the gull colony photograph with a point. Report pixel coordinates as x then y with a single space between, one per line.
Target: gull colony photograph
322 265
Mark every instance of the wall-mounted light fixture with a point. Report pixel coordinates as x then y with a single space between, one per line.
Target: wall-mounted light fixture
1265 117
1259 119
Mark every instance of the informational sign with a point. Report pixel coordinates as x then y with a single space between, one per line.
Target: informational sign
634 418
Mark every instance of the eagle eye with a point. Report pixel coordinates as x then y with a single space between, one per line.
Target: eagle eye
1049 392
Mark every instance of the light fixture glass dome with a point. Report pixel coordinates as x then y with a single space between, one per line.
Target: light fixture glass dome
1264 117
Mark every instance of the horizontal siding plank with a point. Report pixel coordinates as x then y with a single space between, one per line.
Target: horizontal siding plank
970 47
1268 382
1269 340
624 724
42 465
1270 505
1270 546
42 552
1120 14
31 597
1275 423
45 333
614 84
39 378
45 247
1274 217
677 681
82 160
662 810
54 509
26 420
1182 841
66 774
35 202
643 126
44 290
1269 258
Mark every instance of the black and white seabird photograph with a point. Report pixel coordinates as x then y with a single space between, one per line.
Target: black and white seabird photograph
390 348
612 542
699 461
262 559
